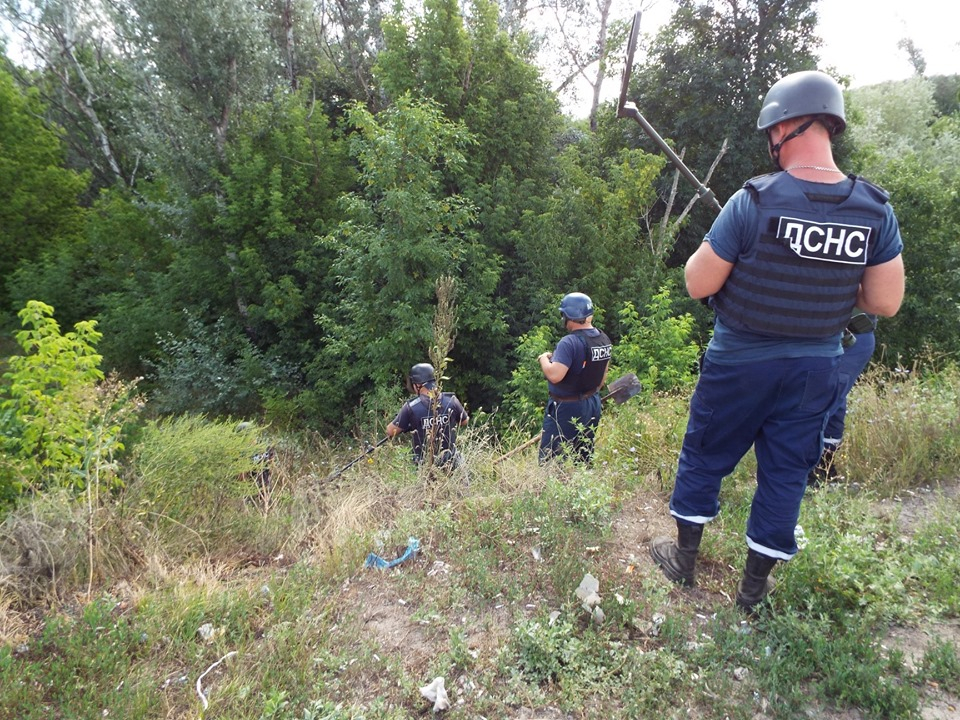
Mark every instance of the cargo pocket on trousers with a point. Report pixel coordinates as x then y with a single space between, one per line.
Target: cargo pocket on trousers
821 390
697 425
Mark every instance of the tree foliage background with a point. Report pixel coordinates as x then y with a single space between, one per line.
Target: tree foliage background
254 201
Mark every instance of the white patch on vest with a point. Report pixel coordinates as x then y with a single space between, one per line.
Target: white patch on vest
598 354
429 422
833 242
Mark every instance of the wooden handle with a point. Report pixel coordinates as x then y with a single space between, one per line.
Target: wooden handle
527 444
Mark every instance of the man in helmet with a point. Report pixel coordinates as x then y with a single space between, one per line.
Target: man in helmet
433 418
783 265
575 372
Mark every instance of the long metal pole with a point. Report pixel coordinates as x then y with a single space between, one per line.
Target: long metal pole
629 109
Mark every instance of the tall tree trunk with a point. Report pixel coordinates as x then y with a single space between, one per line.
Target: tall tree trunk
289 45
602 62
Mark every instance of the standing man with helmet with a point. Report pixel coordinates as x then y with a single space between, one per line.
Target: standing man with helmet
784 264
431 416
575 372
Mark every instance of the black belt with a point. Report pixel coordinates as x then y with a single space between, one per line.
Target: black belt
573 398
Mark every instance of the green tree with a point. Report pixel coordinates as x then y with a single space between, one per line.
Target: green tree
191 66
116 271
898 119
38 196
85 86
53 429
403 231
259 272
900 141
928 210
658 345
592 222
702 80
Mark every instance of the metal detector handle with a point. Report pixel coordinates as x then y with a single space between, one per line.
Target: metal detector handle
629 109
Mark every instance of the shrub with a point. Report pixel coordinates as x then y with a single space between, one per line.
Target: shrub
193 474
213 371
658 345
41 543
60 425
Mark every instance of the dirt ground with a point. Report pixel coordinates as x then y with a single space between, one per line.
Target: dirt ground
390 618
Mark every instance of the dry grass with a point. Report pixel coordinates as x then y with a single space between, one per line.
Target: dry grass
41 545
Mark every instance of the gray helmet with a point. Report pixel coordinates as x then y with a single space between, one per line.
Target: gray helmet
422 374
810 92
576 306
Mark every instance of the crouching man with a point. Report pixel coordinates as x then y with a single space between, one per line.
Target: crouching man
433 417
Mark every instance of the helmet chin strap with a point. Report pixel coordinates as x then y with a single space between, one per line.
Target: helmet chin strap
775 149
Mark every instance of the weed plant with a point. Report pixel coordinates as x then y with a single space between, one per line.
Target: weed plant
903 429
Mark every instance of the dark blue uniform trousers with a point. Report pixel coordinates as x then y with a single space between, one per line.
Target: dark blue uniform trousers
853 362
570 424
778 406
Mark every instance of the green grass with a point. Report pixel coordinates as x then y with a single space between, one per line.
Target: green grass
489 603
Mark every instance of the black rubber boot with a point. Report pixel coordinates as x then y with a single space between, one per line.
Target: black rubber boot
677 559
756 582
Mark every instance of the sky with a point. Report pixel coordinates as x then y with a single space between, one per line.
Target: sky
860 36
859 39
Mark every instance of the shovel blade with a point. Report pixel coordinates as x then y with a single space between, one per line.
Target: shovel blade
624 388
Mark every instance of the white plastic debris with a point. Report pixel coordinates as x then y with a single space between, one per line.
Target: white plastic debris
589 592
589 596
801 537
207 632
437 694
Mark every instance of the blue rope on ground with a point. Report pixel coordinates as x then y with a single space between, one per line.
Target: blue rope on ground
374 560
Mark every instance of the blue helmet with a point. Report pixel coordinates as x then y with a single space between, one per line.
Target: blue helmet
576 306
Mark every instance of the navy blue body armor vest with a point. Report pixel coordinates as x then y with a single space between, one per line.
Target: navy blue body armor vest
800 278
597 353
425 421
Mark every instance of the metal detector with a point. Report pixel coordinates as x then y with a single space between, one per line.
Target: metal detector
629 109
368 451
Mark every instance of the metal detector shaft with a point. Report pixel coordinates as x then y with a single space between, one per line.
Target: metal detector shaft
350 464
629 109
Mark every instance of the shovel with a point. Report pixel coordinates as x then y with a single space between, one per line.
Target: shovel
621 390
